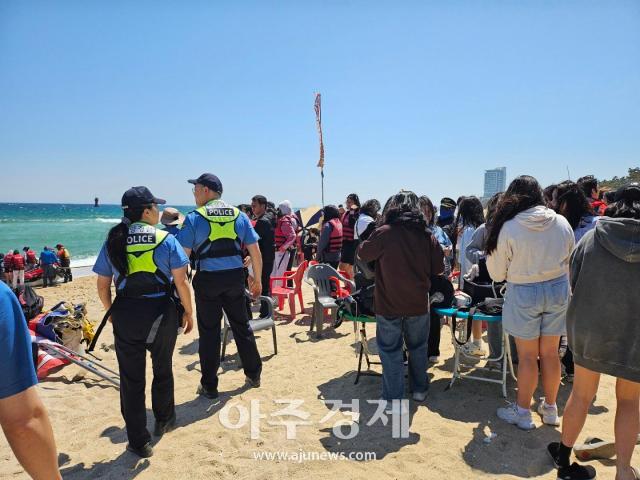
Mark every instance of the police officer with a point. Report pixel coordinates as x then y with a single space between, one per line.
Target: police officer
212 235
144 263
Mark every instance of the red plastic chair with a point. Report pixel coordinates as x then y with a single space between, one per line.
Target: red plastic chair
282 291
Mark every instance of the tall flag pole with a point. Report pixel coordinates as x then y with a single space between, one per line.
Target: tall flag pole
318 109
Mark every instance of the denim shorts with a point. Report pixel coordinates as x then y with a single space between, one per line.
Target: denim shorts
537 309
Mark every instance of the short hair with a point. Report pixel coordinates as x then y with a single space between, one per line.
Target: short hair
259 199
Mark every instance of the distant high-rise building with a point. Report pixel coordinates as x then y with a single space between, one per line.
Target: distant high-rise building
495 180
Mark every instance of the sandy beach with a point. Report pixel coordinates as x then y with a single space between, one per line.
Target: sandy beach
446 434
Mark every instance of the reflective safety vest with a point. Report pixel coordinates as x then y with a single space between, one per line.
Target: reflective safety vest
335 240
222 240
278 235
143 275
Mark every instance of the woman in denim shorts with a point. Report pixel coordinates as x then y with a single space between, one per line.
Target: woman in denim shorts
529 246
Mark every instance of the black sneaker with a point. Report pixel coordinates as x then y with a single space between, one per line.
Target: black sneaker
552 448
145 451
210 394
576 472
251 383
165 427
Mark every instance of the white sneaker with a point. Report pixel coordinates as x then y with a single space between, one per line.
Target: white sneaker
474 350
549 414
400 407
510 415
434 359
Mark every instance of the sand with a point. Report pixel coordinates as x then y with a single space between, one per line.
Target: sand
445 435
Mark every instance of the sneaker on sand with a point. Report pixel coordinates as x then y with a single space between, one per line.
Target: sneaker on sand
396 408
434 359
549 414
510 415
593 448
474 350
420 396
576 472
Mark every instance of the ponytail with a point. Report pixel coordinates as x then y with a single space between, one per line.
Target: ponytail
117 240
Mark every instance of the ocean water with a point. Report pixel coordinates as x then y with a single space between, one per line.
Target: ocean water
80 228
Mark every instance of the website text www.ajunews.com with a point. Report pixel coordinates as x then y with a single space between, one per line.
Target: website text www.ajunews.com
300 456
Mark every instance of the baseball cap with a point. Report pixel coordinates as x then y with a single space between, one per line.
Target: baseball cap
447 202
209 180
140 197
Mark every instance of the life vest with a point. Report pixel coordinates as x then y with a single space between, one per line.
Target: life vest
31 257
63 254
347 227
18 262
143 277
222 240
335 239
8 261
279 237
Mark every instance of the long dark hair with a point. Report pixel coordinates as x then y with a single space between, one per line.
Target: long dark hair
354 198
117 240
492 204
426 204
470 213
404 208
627 203
571 203
371 208
523 193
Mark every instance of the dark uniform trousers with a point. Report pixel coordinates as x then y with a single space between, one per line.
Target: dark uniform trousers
139 325
266 289
215 291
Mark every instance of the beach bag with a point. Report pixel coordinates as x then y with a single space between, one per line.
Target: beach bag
30 302
481 291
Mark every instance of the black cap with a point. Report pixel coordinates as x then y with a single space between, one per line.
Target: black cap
448 202
209 180
140 197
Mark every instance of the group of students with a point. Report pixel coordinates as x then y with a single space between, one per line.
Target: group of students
567 270
15 264
555 285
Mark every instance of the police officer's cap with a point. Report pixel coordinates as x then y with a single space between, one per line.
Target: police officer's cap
140 197
209 180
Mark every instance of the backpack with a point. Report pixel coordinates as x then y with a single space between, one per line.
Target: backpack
441 284
31 302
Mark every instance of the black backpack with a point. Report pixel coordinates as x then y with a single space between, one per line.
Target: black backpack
31 302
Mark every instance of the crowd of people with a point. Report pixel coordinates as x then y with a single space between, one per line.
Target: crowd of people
567 256
15 264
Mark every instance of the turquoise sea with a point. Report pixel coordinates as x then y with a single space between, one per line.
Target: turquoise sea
80 228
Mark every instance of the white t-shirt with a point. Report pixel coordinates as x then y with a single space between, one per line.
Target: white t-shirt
361 225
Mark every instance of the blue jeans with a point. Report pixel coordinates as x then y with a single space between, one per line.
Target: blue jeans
390 332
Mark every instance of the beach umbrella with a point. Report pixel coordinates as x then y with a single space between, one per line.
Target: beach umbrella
309 216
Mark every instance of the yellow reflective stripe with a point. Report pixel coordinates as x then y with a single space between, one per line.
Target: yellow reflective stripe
140 256
221 227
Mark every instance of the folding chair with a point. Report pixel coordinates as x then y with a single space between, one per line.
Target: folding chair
362 344
255 326
319 277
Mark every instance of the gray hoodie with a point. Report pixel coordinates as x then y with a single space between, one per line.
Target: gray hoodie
602 319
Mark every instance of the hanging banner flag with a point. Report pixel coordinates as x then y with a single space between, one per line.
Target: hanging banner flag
318 109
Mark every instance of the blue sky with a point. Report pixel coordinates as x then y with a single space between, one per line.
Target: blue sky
98 96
